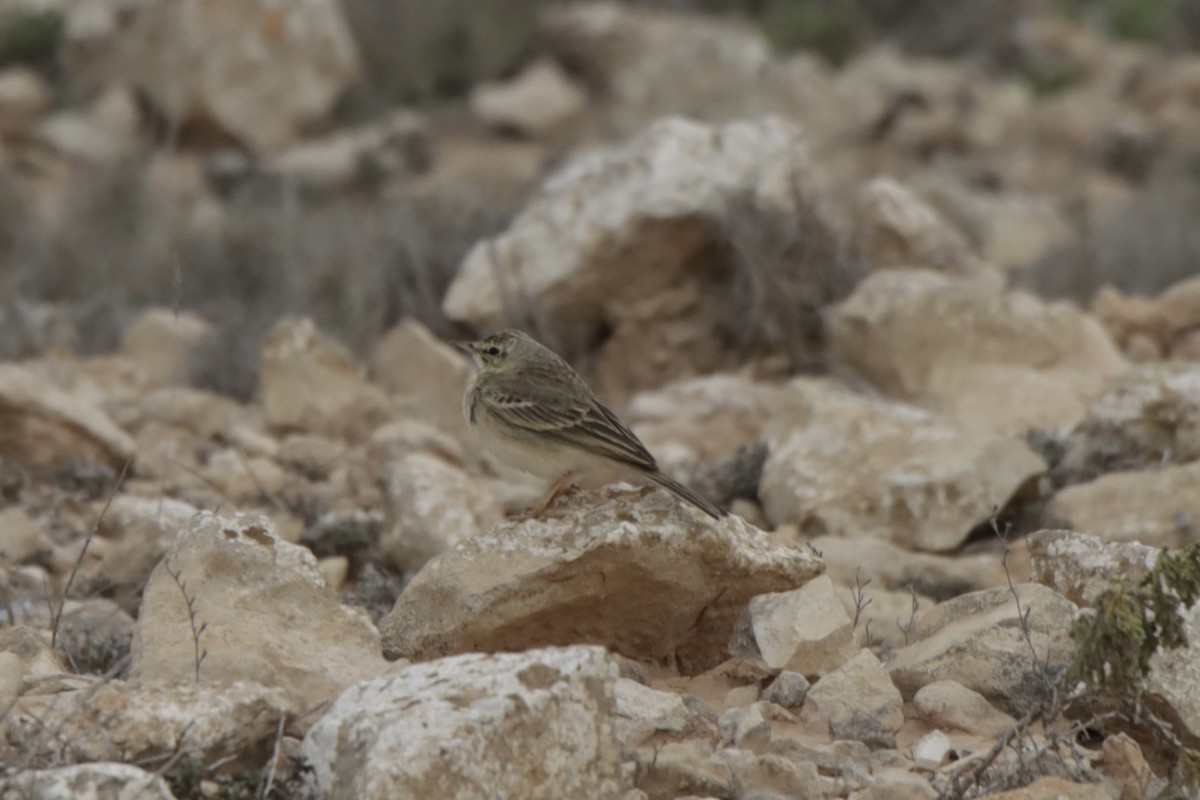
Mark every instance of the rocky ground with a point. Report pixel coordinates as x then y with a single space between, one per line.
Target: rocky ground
928 328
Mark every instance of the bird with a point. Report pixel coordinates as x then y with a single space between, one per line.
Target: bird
532 411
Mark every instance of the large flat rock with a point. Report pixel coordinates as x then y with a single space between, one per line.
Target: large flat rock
636 571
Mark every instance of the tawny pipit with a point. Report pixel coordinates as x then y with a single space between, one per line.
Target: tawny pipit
533 412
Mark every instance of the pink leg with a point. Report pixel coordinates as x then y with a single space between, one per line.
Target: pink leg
550 495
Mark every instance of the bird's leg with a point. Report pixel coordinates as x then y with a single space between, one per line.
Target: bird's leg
550 495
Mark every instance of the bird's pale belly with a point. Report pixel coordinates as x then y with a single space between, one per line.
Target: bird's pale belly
545 459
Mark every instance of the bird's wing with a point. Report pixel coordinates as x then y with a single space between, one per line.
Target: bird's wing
589 425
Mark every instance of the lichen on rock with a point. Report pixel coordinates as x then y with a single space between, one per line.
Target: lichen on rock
1128 624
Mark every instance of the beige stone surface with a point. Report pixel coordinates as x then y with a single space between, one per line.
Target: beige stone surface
857 701
24 97
207 63
429 375
1080 566
162 341
267 613
989 358
396 145
539 101
125 721
642 712
205 414
43 427
642 268
241 478
890 566
96 781
1052 788
12 670
1148 417
432 506
1167 321
310 382
32 647
867 467
20 537
805 630
977 640
1174 677
704 419
952 706
632 570
655 61
1127 767
894 783
538 724
899 229
140 530
1156 508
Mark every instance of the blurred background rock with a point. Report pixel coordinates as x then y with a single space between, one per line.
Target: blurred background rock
250 160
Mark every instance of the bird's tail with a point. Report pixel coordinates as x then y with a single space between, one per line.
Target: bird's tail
679 490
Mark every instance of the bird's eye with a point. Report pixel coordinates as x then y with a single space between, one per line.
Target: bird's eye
493 351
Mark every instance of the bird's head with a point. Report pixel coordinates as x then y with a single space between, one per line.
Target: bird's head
500 350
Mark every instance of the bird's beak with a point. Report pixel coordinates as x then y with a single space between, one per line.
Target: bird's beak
466 347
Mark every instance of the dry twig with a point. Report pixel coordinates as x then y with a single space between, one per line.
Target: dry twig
83 551
197 631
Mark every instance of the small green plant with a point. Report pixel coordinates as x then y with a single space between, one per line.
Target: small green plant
187 778
1049 78
97 655
833 28
1140 20
1135 20
1186 777
29 35
1129 624
242 787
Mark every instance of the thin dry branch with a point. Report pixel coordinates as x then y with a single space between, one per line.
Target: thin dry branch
197 631
83 551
